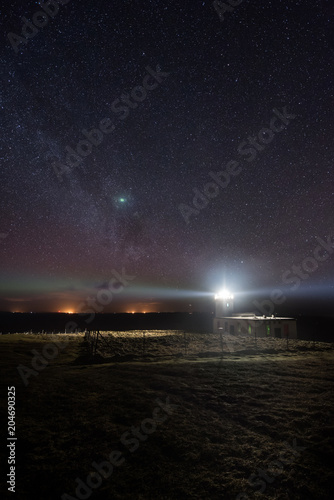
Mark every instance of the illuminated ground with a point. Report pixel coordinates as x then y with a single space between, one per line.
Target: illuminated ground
161 344
233 417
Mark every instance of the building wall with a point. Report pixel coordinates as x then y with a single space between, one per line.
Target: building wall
278 328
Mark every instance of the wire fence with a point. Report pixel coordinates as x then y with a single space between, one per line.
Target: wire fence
177 343
169 344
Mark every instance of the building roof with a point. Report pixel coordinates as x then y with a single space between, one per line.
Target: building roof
257 318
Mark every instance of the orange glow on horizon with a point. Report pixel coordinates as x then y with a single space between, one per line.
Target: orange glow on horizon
139 312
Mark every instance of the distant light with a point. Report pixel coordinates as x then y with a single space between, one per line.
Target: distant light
122 200
224 294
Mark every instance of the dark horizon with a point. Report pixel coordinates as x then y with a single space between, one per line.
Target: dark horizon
311 326
257 304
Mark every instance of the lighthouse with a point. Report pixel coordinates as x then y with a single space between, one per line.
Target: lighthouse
242 324
224 304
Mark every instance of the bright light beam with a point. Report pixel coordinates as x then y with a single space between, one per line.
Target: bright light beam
224 294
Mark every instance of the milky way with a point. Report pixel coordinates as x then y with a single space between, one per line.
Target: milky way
175 92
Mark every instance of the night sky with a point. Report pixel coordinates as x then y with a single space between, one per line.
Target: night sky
180 96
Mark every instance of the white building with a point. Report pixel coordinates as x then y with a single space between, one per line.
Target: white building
248 323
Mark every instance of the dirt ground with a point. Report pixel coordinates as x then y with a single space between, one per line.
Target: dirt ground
255 421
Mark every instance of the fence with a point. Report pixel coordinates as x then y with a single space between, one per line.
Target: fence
176 343
143 343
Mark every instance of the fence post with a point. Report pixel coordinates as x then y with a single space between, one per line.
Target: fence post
144 343
95 341
92 342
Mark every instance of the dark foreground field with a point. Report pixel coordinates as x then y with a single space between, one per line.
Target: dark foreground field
218 425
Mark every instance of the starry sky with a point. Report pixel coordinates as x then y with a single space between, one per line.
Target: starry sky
175 92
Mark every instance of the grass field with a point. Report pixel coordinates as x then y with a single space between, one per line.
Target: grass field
209 428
